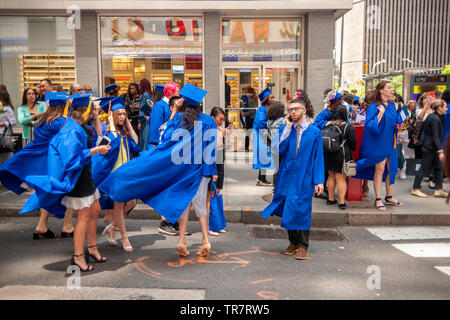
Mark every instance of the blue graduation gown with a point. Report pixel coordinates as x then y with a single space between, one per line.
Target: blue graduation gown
158 178
68 153
322 118
160 113
297 178
102 165
144 110
378 143
262 159
446 126
31 160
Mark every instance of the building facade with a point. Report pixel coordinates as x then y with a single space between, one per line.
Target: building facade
387 38
286 45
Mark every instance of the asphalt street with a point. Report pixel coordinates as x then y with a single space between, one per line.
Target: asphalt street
360 263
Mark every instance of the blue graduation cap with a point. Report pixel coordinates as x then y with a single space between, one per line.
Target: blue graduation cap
112 87
158 88
56 98
356 98
80 100
333 96
264 94
192 94
111 103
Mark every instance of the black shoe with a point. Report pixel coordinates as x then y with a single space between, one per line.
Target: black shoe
322 196
263 182
330 203
342 206
177 227
48 235
66 234
168 229
87 255
73 263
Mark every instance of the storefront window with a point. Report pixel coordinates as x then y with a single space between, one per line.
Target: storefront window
160 49
261 40
35 48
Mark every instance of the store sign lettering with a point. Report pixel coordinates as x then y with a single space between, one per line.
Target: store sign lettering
260 32
174 27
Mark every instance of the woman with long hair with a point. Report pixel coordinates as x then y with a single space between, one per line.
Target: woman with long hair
132 100
145 109
377 155
123 144
249 113
32 160
69 182
29 113
181 167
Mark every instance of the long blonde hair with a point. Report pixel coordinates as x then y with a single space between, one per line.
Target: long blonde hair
123 127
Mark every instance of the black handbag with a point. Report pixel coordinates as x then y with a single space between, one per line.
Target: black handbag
7 141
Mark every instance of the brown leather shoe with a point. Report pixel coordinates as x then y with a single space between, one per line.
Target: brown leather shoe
301 254
291 249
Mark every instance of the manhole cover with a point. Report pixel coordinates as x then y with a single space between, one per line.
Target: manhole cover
272 232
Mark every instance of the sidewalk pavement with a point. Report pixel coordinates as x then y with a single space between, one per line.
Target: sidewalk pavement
243 202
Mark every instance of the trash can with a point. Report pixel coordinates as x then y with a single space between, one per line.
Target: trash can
354 185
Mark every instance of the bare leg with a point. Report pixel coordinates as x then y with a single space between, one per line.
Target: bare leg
341 187
183 222
79 236
128 206
377 181
119 222
92 230
42 224
68 223
331 185
390 188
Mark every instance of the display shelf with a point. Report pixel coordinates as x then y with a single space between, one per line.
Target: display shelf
59 68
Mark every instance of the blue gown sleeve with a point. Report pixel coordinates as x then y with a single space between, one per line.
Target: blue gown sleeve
322 119
156 120
319 166
371 122
280 147
134 148
210 168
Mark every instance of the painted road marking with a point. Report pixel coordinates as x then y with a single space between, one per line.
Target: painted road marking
411 233
425 250
445 270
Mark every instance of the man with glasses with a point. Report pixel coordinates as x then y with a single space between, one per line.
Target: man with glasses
45 85
75 88
301 174
87 88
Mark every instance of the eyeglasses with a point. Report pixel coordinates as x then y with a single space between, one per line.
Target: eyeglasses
78 90
294 109
88 90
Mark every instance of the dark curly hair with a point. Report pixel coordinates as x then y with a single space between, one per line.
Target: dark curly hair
275 111
304 99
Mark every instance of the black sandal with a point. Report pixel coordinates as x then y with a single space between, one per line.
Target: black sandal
88 255
48 235
72 262
378 207
66 234
390 203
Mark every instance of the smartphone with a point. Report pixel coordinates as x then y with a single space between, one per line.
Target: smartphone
290 118
103 141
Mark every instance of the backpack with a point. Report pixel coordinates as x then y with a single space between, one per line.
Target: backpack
332 137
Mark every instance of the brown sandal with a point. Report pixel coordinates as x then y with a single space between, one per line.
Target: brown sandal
204 250
182 251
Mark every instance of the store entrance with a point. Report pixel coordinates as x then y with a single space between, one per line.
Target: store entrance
282 81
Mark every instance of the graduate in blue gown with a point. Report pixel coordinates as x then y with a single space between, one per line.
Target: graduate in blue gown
32 160
69 182
171 175
262 158
123 144
301 174
378 155
333 99
161 111
446 124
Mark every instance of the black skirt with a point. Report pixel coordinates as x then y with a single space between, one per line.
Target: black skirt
85 185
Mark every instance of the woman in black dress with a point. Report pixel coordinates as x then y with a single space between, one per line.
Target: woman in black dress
335 161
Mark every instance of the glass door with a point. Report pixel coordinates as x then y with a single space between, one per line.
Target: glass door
283 82
238 79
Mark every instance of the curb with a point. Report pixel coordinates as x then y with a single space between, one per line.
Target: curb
320 219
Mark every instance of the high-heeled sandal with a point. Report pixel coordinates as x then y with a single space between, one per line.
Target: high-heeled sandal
88 255
66 234
73 263
112 233
381 206
127 248
48 235
182 251
204 250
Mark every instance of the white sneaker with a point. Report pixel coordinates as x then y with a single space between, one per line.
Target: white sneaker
403 173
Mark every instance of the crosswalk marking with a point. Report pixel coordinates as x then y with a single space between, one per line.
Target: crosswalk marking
411 233
425 250
445 270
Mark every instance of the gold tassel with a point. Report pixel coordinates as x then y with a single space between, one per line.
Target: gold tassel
88 111
66 109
